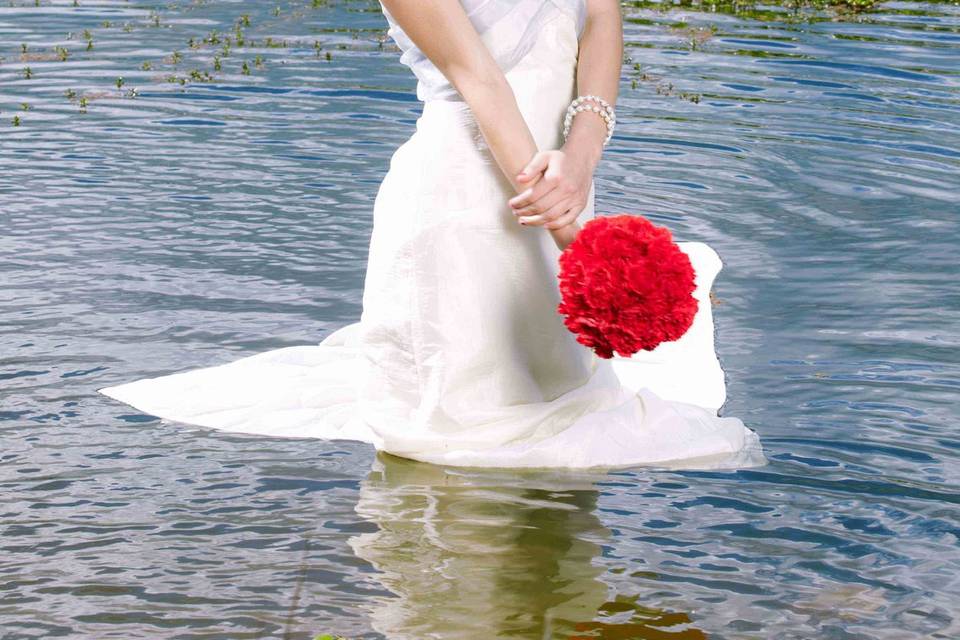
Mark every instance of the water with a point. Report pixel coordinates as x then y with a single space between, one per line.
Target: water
189 224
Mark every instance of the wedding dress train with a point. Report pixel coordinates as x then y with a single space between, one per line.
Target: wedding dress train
459 356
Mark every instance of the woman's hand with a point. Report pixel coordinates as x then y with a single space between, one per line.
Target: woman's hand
560 184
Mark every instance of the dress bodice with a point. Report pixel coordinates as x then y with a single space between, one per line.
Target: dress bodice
508 28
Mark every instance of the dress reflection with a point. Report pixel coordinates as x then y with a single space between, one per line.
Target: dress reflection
493 554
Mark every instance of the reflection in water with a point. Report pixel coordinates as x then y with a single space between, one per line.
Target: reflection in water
201 222
491 554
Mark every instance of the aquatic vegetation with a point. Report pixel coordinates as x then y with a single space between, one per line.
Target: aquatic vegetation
695 36
766 10
236 33
198 75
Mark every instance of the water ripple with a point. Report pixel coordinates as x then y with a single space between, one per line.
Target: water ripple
156 219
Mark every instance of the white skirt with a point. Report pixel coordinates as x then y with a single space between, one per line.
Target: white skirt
459 356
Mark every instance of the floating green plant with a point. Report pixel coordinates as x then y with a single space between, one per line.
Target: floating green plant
70 94
62 53
216 64
84 101
200 76
246 68
119 82
258 61
147 65
27 73
16 121
244 19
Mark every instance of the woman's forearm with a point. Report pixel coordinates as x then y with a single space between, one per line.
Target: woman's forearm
599 62
441 29
499 119
598 74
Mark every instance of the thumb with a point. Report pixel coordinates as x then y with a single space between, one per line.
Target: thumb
537 164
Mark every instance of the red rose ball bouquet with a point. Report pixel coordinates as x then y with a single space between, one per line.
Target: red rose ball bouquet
626 286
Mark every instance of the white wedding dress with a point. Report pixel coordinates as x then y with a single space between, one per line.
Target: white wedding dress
459 356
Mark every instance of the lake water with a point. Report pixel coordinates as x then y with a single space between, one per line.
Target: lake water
176 219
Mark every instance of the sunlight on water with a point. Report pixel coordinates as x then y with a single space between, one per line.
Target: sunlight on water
183 184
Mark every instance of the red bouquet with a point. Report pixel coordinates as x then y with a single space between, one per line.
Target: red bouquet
626 286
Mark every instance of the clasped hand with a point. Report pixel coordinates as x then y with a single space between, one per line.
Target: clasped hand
559 184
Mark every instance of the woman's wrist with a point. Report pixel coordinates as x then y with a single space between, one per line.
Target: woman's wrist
586 137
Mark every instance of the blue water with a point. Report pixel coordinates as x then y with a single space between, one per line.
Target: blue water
183 225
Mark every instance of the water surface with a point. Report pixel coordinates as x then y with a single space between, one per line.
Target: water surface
186 216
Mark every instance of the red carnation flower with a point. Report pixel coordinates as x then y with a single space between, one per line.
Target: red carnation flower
626 286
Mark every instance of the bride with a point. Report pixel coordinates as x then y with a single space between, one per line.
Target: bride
459 356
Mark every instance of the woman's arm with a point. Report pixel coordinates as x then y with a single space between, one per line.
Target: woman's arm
559 198
444 33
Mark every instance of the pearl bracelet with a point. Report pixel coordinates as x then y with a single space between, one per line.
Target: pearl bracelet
605 111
